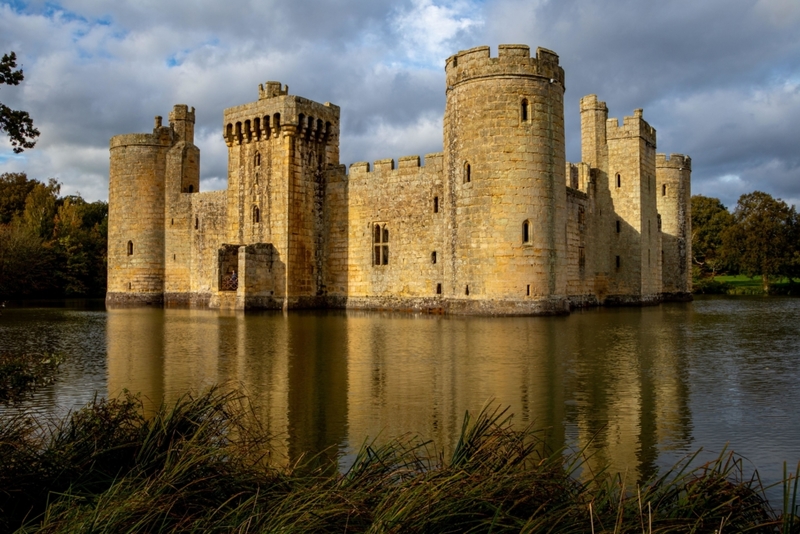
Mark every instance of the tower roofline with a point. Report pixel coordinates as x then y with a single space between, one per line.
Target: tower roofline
511 60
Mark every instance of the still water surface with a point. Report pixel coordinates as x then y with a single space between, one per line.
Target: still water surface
639 388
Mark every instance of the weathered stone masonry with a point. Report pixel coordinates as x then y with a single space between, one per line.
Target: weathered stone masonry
498 223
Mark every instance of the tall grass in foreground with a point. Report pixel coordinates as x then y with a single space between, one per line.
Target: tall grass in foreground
203 465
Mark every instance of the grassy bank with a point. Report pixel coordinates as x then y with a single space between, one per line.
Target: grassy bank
202 465
743 285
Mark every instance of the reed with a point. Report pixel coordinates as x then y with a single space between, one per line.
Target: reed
203 464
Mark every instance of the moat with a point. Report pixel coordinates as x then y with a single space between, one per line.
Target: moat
639 387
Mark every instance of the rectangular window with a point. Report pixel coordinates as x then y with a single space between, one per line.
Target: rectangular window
618 264
380 242
581 258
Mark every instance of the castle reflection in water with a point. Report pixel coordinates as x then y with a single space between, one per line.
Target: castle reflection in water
612 381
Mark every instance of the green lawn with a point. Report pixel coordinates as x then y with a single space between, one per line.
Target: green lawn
744 285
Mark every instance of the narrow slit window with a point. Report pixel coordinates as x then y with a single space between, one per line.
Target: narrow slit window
466 291
619 226
130 248
257 159
524 110
619 180
618 262
196 223
256 215
528 290
581 257
433 257
526 232
664 190
435 204
438 289
467 173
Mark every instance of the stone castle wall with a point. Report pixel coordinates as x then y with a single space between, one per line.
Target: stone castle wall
498 223
385 233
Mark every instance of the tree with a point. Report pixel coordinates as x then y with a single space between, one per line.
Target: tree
710 219
763 239
16 123
14 189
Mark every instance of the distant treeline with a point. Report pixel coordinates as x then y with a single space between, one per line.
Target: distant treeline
760 238
50 245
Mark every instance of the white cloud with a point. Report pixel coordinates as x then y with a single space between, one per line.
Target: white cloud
718 79
428 30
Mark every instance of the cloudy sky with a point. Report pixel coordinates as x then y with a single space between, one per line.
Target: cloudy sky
719 79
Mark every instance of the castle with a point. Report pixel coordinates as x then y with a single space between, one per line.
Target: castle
497 223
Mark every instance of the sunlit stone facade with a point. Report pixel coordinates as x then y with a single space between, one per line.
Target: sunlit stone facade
497 223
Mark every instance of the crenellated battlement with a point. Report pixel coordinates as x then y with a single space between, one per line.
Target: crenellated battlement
591 102
181 112
405 164
674 161
271 90
514 60
634 126
276 113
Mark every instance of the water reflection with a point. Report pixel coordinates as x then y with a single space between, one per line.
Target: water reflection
636 387
323 381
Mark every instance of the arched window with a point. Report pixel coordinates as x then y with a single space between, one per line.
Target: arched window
664 190
256 215
257 159
191 188
524 110
467 173
130 248
619 180
438 289
526 232
435 204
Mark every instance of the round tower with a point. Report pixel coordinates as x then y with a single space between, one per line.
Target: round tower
505 188
674 200
136 216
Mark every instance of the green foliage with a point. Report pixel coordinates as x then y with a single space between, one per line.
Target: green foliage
764 238
710 219
17 124
51 246
203 465
14 189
